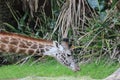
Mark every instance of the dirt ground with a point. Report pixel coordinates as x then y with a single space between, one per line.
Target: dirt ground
57 78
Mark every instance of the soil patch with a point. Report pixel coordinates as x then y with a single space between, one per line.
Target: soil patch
57 78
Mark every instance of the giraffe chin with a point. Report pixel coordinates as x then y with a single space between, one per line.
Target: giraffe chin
75 68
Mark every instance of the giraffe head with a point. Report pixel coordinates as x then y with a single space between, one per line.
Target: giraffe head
65 56
62 52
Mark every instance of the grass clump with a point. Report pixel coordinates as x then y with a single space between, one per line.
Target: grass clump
54 69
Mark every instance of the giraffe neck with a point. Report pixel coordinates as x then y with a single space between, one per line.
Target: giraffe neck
15 43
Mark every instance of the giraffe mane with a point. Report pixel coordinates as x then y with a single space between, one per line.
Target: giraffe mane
23 37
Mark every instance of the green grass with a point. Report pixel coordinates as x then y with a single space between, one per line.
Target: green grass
54 69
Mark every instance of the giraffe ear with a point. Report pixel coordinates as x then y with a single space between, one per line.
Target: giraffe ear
71 46
65 43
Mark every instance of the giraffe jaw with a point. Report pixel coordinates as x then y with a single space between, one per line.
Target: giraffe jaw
74 67
51 52
54 50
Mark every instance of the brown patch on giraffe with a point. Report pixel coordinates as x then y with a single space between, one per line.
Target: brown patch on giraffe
12 48
23 45
28 43
41 46
26 38
30 51
34 46
14 41
2 47
21 50
4 39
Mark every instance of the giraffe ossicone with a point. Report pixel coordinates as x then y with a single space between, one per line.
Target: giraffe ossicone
16 43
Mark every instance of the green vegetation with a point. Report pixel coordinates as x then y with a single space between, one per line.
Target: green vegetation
93 25
54 69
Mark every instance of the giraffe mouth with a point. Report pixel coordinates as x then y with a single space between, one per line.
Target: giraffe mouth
75 67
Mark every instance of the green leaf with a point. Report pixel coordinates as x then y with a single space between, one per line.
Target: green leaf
10 26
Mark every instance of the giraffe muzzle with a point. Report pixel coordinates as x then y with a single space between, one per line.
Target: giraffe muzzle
77 69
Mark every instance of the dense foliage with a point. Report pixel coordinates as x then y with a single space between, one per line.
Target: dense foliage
93 25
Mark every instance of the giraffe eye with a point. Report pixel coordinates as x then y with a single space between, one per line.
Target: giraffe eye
68 55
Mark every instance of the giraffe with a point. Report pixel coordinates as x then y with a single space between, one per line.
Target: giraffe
20 44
